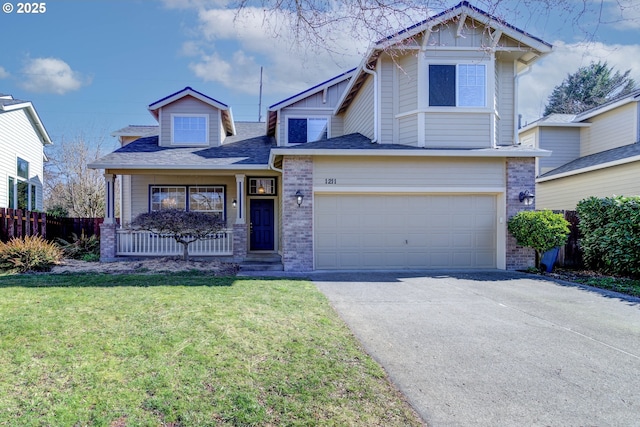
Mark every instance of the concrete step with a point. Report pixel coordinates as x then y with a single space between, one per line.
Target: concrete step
262 262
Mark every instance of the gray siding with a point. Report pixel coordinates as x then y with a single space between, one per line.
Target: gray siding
359 116
386 75
564 143
19 139
505 102
408 130
407 83
455 130
404 173
565 193
612 129
189 105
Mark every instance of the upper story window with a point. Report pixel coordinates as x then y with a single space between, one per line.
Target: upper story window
22 168
307 129
461 85
190 129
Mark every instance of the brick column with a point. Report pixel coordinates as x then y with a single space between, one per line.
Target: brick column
521 176
297 221
107 242
239 242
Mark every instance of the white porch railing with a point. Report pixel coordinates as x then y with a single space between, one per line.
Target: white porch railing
144 243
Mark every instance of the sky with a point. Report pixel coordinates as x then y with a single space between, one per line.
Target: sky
91 67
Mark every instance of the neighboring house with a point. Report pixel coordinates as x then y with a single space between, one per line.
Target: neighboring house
22 141
595 153
409 161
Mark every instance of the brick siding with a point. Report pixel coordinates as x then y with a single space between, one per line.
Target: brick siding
520 177
297 221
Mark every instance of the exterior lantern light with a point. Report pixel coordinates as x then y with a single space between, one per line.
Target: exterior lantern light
234 203
526 197
299 198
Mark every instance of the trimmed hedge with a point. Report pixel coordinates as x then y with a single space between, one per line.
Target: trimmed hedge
540 230
610 228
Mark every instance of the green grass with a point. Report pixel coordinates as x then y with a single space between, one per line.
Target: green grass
616 284
183 350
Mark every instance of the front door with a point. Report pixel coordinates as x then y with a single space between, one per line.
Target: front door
262 227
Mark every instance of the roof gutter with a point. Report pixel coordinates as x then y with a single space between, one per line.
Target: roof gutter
376 121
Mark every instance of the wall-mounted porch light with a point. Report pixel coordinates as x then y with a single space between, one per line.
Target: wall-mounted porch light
299 197
526 197
234 203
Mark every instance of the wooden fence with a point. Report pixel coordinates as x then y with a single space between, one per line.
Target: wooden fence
21 223
63 228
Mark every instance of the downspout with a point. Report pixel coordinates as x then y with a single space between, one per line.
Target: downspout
376 121
516 120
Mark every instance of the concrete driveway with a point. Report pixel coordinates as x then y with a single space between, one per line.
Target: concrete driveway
497 348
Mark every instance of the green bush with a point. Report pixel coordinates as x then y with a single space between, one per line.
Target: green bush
540 230
31 253
81 247
610 229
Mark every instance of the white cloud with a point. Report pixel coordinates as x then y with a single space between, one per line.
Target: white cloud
243 43
4 73
51 75
536 86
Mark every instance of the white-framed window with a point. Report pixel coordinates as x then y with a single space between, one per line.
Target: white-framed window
21 194
207 199
168 197
458 85
201 198
190 129
307 129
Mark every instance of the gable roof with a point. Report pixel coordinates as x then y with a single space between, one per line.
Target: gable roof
227 116
249 150
272 111
463 9
8 103
613 157
616 102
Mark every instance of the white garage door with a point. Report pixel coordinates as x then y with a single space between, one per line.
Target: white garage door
395 232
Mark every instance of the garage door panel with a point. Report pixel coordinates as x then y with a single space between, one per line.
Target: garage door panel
416 231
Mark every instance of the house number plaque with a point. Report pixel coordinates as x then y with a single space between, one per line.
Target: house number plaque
330 181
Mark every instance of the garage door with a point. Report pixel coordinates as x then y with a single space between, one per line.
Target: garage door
408 231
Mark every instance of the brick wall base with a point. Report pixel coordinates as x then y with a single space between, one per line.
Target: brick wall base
107 242
520 177
297 221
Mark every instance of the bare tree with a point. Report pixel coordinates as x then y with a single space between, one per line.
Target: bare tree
69 184
185 227
317 23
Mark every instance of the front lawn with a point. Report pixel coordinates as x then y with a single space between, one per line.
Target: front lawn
183 349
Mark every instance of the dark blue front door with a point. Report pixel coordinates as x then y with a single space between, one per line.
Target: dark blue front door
261 228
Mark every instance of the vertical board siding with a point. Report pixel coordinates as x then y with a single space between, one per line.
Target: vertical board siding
612 129
457 130
565 193
563 142
359 116
19 139
189 105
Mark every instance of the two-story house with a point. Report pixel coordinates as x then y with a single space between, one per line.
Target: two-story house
408 161
22 139
595 153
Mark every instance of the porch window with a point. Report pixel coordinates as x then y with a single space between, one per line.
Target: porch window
307 129
190 129
207 199
168 198
461 85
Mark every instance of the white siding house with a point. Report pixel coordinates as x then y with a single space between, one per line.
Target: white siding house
22 141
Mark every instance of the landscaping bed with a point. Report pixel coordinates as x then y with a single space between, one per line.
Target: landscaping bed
622 285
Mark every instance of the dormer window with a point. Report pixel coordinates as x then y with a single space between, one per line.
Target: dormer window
308 129
460 85
190 129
